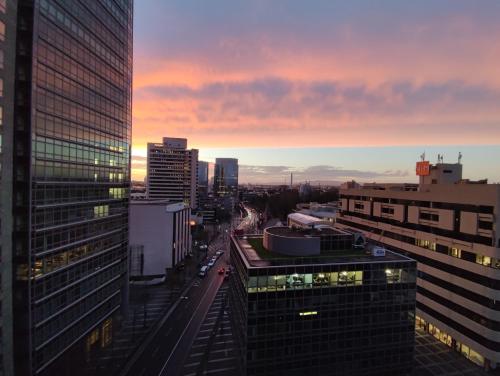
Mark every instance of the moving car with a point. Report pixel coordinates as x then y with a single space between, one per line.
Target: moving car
203 271
211 263
220 252
221 270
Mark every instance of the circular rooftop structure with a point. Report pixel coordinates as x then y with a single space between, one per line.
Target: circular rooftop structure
291 242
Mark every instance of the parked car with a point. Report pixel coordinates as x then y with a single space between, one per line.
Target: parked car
220 252
211 263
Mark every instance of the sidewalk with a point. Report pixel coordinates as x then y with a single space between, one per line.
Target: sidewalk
147 305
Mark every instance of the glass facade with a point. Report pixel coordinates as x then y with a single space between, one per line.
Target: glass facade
72 177
226 176
355 318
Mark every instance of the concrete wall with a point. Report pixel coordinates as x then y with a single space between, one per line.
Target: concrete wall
151 226
292 246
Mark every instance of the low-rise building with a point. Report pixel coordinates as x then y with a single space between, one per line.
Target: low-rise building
159 237
337 311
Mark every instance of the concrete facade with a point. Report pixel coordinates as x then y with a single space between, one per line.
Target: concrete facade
451 229
159 237
172 172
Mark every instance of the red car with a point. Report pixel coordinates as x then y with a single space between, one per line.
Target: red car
221 271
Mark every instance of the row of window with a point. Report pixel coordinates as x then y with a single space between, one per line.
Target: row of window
72 292
480 239
73 313
425 204
314 280
51 103
110 87
58 128
459 253
448 340
64 171
52 80
53 348
47 148
115 56
46 194
57 238
108 263
98 23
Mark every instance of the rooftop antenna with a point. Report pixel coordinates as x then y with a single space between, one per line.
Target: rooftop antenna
439 158
422 156
459 157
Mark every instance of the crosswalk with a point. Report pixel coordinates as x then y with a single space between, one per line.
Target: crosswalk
213 350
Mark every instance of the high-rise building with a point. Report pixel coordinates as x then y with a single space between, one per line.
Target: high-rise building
8 18
226 177
305 302
65 179
172 171
451 227
202 179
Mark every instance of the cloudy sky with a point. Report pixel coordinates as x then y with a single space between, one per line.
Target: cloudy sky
327 89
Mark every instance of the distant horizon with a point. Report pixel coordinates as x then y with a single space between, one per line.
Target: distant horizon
393 164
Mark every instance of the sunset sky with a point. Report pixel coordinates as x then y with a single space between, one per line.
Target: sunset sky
330 90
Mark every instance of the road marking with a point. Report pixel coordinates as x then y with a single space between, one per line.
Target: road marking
186 328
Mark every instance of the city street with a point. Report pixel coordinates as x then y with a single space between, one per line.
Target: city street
166 351
250 223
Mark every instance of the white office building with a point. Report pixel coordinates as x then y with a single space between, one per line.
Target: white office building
159 237
172 171
450 226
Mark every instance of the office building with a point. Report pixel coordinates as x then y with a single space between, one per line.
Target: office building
304 302
203 186
160 237
64 179
450 226
8 18
226 177
172 171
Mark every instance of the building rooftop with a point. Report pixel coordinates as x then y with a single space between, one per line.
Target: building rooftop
251 247
305 219
293 232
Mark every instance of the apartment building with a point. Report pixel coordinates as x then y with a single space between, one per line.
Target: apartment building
172 171
450 226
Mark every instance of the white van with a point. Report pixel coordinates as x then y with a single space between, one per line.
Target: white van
203 271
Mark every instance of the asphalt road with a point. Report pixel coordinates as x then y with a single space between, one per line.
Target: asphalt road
166 352
250 223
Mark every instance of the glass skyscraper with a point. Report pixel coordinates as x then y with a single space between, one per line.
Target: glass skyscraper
65 181
226 176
